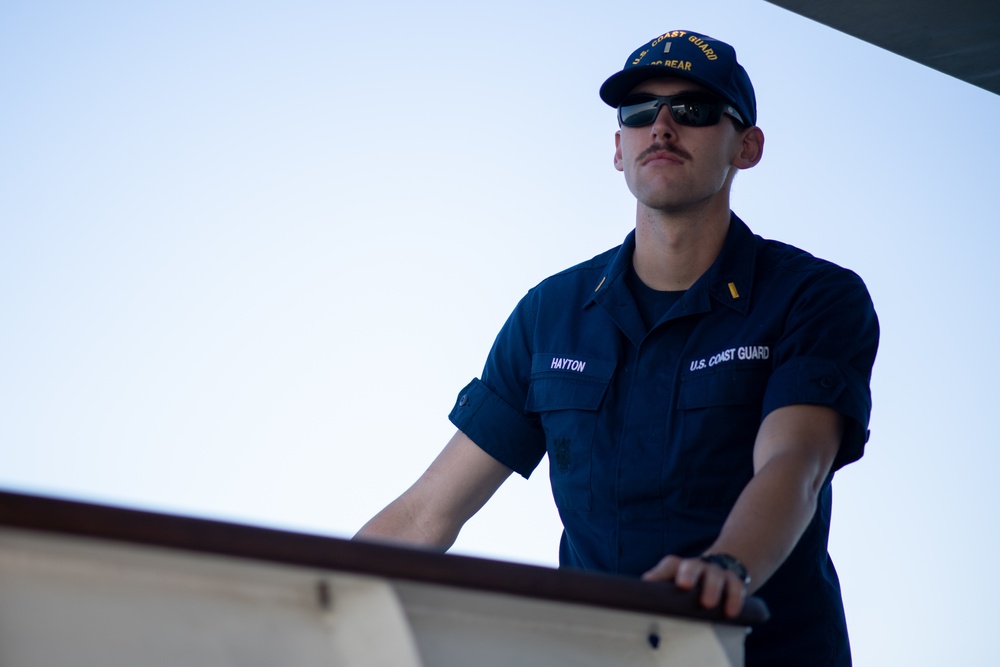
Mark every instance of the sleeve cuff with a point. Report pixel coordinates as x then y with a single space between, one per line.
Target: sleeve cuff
815 381
506 434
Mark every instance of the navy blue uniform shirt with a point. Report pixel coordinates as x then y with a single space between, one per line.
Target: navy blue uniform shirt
650 431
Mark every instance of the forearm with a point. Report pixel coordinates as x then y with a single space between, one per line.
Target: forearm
432 511
402 522
770 516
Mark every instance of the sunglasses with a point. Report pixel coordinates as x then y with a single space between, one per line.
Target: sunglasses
694 109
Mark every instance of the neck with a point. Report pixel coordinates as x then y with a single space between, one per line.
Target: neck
673 250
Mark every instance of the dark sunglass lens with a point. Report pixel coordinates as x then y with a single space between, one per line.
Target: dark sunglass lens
696 112
637 112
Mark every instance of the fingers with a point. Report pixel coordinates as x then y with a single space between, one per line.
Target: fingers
665 570
718 585
734 593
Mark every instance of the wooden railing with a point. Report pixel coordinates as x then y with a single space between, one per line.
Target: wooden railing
89 584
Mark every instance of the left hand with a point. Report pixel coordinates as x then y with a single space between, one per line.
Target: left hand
717 584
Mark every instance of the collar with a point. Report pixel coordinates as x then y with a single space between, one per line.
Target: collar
728 281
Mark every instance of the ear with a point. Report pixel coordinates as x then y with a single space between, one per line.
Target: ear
751 148
618 151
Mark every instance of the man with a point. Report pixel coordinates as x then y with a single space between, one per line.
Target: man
695 388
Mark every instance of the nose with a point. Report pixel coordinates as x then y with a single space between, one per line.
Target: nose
663 124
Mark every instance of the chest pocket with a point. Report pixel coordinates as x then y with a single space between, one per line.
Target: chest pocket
720 413
567 394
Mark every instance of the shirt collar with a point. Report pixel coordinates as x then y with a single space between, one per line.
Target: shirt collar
728 281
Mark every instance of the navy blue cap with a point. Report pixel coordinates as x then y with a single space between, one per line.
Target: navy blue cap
689 55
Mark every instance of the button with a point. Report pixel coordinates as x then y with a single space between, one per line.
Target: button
827 382
463 401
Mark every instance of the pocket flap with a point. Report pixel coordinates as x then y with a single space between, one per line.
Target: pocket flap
729 385
567 383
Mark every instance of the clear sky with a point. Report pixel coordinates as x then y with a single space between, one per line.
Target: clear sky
250 252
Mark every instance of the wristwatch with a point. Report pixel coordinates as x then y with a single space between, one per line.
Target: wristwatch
727 562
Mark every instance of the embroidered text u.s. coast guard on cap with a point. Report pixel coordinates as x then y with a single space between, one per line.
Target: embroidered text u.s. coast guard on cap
689 55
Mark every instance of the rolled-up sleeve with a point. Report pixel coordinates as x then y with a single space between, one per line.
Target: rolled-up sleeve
491 411
826 354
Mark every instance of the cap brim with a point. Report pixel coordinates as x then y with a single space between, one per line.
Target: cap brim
619 85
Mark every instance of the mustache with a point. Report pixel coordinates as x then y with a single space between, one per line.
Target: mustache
663 148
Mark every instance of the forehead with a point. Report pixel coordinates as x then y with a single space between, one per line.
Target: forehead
667 85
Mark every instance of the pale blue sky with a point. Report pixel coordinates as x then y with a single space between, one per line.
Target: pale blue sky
249 252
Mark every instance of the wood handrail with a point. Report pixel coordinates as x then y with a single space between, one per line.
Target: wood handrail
82 519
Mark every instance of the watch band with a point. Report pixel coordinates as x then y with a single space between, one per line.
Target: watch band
728 562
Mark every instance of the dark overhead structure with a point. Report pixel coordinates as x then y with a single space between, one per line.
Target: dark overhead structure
958 37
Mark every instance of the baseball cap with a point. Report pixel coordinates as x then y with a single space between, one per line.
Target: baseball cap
689 55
